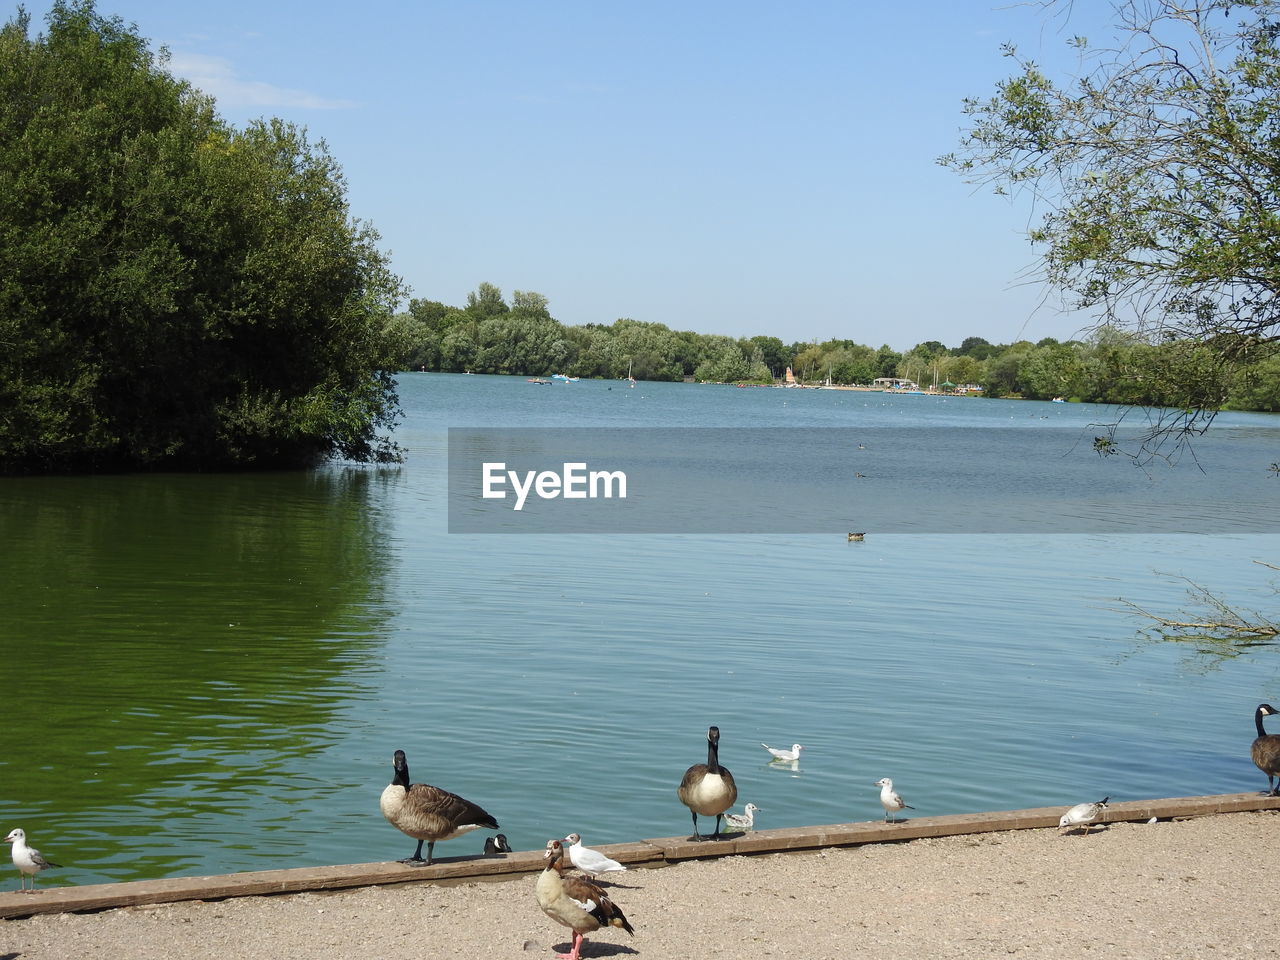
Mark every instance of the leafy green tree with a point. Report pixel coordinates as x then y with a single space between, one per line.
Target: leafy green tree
174 293
1156 166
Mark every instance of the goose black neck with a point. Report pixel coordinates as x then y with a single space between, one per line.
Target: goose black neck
1257 722
713 756
401 775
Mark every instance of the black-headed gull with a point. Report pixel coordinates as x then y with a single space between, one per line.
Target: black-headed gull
792 754
708 788
428 813
588 860
890 799
1083 815
742 821
27 859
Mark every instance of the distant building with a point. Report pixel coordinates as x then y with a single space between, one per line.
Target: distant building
894 383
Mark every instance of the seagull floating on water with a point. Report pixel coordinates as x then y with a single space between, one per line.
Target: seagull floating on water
496 844
587 860
742 821
1083 815
890 799
28 860
792 754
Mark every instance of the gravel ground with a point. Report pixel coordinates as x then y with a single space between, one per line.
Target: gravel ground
1199 888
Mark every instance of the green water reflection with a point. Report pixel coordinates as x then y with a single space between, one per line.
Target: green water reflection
175 647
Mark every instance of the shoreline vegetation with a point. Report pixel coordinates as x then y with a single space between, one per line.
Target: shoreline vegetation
521 338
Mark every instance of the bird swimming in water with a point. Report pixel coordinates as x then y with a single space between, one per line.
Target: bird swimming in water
1083 815
742 821
784 754
890 799
496 844
28 860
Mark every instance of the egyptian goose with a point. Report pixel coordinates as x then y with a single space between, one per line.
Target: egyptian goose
1266 749
587 860
1083 815
28 860
428 813
890 799
574 902
708 788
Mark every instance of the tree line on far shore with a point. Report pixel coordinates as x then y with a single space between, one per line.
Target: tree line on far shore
1111 365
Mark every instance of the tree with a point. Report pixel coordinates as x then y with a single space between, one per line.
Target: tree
174 293
1156 167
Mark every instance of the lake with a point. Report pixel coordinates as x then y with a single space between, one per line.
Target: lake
208 674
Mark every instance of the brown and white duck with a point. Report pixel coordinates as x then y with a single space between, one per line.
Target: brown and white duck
575 902
1266 749
428 813
708 788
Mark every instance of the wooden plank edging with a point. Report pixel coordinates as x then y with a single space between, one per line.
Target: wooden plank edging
649 853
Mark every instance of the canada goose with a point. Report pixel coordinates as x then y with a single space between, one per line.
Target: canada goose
574 902
792 754
428 813
708 788
1083 815
1266 749
496 844
890 799
27 859
742 821
587 860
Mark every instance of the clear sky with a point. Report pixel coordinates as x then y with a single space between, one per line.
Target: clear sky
738 167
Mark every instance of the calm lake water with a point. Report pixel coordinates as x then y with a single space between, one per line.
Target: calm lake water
207 674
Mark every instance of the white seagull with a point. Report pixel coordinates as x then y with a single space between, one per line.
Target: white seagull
587 860
890 799
27 859
1083 815
742 821
792 754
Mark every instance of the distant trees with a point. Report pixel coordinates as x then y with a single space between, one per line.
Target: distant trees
174 293
1154 169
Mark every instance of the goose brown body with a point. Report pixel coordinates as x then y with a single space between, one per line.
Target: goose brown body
1266 749
575 902
427 813
708 788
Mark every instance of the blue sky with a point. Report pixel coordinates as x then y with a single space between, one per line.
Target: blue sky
741 168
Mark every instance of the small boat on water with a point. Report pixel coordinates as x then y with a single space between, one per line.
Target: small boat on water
563 377
545 383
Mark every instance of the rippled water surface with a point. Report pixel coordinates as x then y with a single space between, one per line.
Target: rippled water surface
206 674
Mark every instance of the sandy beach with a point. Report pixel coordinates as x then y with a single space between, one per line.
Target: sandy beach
1203 887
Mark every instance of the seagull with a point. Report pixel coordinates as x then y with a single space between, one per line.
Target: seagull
575 902
890 799
742 821
1083 815
496 844
792 754
587 860
28 860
